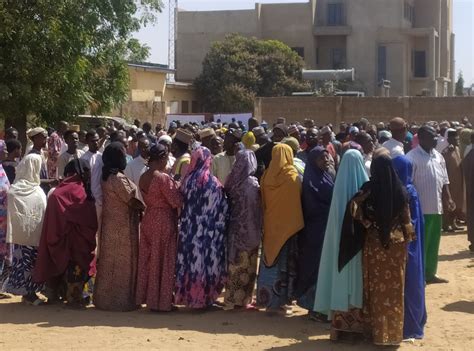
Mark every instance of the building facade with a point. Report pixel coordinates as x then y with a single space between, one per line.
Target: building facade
152 97
408 42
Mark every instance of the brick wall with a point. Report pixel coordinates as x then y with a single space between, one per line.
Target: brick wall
350 109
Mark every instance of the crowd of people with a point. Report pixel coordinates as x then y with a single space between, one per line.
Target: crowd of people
343 221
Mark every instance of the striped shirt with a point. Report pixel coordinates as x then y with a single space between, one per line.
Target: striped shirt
429 177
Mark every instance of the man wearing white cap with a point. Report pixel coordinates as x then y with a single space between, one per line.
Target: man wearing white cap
166 140
38 137
398 128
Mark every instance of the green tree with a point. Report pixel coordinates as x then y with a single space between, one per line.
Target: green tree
238 69
459 90
61 58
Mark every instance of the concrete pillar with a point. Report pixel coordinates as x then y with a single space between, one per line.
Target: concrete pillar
339 116
432 62
452 73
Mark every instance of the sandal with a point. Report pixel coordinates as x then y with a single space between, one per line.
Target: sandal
4 296
32 300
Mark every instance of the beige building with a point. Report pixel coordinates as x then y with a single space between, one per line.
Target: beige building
408 42
151 97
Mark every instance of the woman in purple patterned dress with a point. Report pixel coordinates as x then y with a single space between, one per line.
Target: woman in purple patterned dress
245 230
201 262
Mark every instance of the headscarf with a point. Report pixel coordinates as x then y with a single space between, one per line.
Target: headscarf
114 160
342 289
200 167
245 166
281 194
78 166
245 225
316 200
249 140
387 195
314 174
26 203
69 229
415 309
464 140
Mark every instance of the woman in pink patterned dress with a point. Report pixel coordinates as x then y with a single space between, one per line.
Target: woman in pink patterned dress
158 236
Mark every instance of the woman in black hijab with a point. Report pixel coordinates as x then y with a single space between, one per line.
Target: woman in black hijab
118 244
378 221
114 160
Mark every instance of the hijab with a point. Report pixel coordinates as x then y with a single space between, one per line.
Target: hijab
114 160
26 203
315 179
244 167
78 167
200 167
281 195
387 195
245 225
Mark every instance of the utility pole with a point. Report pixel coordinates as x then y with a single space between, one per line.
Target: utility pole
172 34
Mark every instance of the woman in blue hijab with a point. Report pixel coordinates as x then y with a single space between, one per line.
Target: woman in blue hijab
318 184
336 291
415 309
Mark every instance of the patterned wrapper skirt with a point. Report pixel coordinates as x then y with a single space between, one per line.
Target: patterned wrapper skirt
276 284
20 277
241 279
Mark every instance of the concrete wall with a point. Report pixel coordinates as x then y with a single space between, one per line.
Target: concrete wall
291 24
198 30
350 109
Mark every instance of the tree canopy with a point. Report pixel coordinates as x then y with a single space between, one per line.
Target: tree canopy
238 69
60 58
459 90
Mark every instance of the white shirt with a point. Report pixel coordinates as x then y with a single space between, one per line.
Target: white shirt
395 147
429 177
64 159
96 164
170 163
135 169
367 162
222 165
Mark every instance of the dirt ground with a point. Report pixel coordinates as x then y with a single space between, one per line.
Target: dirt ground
450 322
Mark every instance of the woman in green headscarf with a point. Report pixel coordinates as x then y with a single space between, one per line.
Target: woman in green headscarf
339 294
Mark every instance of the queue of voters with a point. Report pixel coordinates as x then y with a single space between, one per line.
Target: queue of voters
343 221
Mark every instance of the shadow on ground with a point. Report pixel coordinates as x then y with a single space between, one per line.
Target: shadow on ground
460 306
460 255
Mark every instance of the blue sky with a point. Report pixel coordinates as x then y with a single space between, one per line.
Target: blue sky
157 36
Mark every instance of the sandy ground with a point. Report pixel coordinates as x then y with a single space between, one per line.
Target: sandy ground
450 322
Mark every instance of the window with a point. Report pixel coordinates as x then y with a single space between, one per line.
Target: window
419 58
299 51
184 107
409 12
335 14
194 107
382 63
338 58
